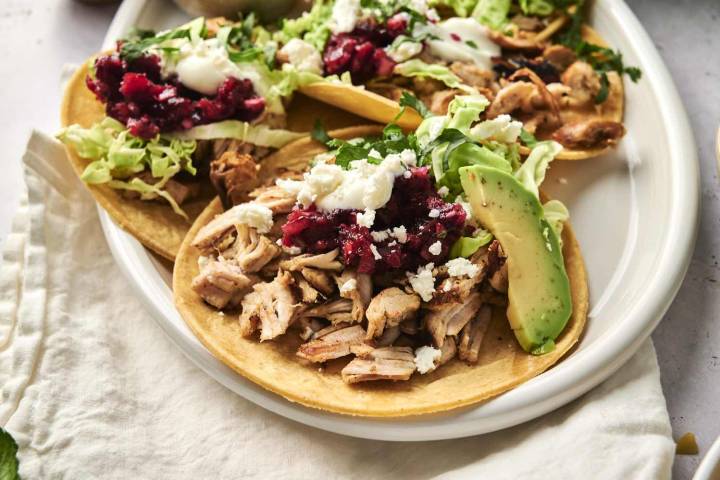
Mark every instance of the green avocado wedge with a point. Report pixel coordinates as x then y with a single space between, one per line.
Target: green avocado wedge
538 286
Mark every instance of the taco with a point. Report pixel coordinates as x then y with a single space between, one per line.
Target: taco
534 60
385 274
151 129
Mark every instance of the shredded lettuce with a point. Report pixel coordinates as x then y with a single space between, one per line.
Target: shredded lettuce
418 68
116 155
532 172
541 8
492 13
556 214
462 8
261 135
312 26
467 246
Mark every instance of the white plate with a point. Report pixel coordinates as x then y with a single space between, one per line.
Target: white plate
635 213
709 468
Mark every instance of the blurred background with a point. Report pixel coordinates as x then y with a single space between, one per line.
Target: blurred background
38 38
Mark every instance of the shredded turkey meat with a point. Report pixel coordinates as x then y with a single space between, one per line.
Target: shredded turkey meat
450 318
388 363
389 308
222 284
334 344
594 133
271 307
473 334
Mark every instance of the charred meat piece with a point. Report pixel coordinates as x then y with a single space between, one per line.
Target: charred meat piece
593 133
559 56
271 307
233 175
450 318
274 198
389 308
389 363
583 81
358 288
506 67
251 251
221 284
472 335
335 343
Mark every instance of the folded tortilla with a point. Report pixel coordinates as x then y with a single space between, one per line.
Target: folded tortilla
370 105
273 365
154 223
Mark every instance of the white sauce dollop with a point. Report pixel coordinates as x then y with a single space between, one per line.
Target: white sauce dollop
457 49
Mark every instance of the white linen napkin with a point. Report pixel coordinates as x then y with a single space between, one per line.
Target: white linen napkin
91 388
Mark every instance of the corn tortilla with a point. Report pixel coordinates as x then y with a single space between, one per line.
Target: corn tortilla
373 106
273 364
153 223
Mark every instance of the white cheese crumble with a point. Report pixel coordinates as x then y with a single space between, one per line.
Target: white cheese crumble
457 267
253 215
380 236
425 358
435 248
443 191
348 286
345 14
392 244
203 261
407 174
434 213
303 56
501 128
363 186
400 233
375 252
366 219
423 282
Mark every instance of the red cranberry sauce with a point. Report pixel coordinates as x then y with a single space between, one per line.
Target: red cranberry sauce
360 52
409 206
135 94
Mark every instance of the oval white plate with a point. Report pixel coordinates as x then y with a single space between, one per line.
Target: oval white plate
709 468
635 213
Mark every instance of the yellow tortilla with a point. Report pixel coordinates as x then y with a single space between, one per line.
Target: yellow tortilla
273 364
373 106
153 223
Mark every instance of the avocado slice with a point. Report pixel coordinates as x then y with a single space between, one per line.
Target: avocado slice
538 286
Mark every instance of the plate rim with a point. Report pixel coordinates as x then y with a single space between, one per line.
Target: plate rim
507 410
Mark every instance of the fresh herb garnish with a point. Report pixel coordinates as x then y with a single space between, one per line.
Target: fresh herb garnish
409 100
319 133
139 41
602 59
393 140
471 44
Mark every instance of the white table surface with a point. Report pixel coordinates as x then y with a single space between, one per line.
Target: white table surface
37 38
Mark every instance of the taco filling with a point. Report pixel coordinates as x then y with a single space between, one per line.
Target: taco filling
531 59
395 250
176 102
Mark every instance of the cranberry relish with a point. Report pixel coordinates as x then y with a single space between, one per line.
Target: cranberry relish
135 94
409 206
361 52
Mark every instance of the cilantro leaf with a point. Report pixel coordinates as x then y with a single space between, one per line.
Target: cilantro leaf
602 59
410 100
8 457
319 133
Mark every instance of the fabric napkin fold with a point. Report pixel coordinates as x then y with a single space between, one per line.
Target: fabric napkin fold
91 387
